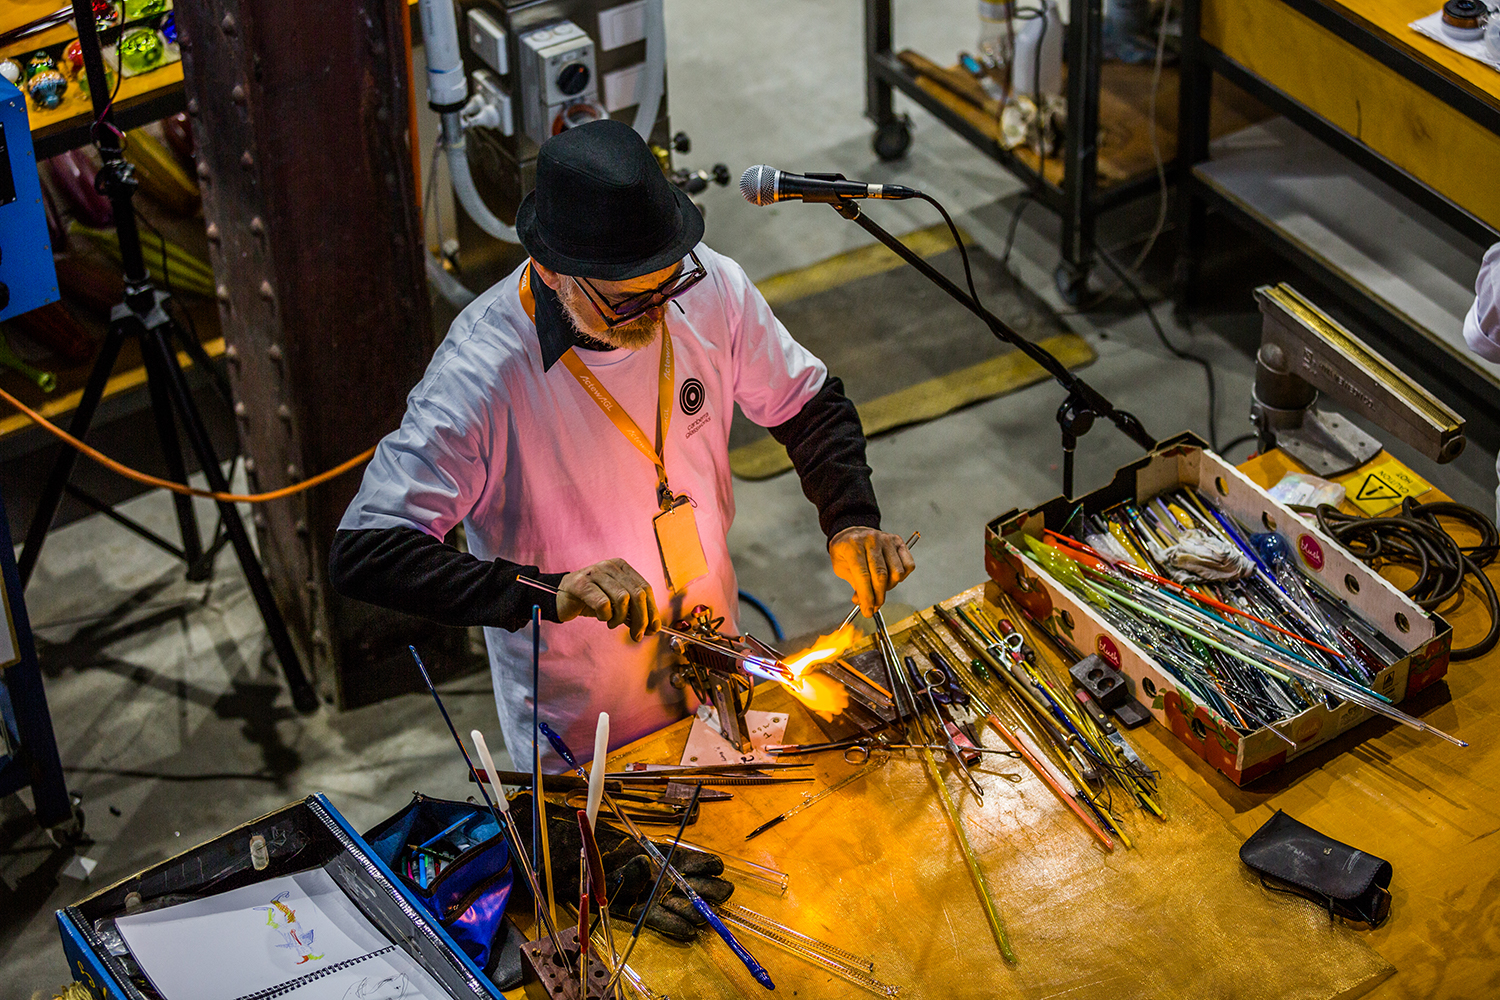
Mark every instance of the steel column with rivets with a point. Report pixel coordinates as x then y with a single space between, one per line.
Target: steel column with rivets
299 114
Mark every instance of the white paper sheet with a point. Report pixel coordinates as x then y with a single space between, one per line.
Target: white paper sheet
267 936
705 746
1432 27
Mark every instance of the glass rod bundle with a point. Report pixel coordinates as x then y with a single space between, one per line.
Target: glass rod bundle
1225 611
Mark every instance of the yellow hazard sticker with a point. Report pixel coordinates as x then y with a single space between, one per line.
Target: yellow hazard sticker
1377 489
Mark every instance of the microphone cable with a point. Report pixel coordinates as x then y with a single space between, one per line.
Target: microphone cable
1208 369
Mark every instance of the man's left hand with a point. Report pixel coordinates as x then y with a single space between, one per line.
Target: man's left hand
872 562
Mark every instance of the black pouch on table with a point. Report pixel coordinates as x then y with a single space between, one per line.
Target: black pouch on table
1292 857
454 857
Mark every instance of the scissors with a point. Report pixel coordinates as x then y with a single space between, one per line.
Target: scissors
939 680
856 748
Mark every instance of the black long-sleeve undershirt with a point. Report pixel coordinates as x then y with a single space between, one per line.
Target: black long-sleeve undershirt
408 570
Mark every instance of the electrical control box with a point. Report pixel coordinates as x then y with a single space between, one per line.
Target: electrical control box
544 66
27 277
559 82
487 40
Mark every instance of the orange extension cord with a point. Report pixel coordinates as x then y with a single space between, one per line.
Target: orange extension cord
183 488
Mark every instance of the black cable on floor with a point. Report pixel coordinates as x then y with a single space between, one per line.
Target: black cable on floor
1235 442
1208 370
1024 199
1415 538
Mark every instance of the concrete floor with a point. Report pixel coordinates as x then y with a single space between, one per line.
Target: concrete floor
172 723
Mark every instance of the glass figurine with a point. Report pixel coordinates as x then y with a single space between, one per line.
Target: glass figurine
142 50
46 88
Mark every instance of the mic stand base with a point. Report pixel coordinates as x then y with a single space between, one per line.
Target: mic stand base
1083 404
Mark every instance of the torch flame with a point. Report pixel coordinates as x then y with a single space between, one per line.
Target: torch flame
826 648
821 694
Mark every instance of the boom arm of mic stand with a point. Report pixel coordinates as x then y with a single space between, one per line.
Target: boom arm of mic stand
1077 388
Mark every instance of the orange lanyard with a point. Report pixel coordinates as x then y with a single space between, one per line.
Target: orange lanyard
666 382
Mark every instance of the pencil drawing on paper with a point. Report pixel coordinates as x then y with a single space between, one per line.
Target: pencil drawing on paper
391 987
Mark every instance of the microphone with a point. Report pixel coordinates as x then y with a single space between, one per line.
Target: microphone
763 185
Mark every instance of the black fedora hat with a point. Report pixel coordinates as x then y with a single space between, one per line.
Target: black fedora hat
603 209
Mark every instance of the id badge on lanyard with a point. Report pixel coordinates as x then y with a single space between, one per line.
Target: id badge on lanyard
681 550
676 526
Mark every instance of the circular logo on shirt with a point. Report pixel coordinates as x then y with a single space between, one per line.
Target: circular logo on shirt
690 398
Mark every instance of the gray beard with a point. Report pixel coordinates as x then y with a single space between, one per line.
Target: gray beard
639 332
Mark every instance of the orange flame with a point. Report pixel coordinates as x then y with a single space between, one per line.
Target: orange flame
826 648
821 694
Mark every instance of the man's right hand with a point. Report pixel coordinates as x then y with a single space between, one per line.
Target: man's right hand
613 592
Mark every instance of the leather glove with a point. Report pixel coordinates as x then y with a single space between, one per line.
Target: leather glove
628 871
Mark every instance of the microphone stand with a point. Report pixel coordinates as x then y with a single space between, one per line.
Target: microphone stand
1083 404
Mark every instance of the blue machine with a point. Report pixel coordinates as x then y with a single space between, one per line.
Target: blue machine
27 277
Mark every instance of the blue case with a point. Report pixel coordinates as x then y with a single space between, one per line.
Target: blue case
468 896
302 835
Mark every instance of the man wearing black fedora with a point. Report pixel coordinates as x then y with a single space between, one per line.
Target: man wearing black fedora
576 421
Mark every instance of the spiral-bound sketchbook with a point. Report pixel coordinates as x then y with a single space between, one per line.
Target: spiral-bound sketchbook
297 936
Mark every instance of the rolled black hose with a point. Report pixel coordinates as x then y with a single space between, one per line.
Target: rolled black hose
1416 538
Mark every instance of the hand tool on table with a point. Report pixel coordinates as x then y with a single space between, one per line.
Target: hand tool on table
941 686
500 813
941 663
952 693
697 901
872 762
1038 768
928 682
976 874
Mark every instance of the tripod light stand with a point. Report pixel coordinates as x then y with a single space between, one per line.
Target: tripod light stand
143 315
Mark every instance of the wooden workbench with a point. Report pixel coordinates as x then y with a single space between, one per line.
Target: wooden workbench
875 870
1441 143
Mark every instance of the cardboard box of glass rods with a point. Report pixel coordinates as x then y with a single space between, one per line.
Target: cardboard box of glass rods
1415 656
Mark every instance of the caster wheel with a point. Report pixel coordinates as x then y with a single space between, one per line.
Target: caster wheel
1072 283
893 139
69 833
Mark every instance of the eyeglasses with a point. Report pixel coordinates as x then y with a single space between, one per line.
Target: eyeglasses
628 307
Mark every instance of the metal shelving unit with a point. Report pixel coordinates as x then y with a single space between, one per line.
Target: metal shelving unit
1395 250
1080 198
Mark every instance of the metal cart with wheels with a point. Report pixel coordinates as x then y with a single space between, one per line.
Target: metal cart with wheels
1107 158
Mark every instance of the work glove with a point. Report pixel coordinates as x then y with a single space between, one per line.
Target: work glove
628 871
